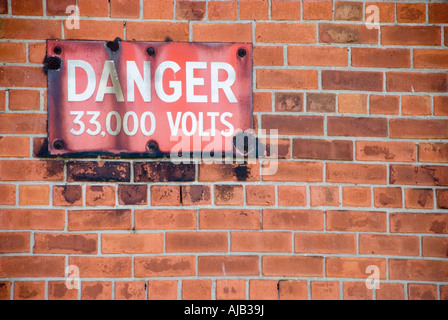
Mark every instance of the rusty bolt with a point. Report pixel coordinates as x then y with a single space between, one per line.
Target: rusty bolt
151 51
57 50
242 52
58 144
152 146
52 63
113 45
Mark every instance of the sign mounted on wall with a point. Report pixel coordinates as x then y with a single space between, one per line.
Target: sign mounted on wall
147 98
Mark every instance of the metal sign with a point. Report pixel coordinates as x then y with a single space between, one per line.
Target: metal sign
147 98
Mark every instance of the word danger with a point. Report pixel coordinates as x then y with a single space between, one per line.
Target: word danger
143 82
131 123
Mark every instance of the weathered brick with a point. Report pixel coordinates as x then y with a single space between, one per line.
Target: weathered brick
222 32
130 290
317 56
292 290
65 243
411 12
68 195
411 35
356 173
438 12
286 79
260 195
382 104
325 243
321 102
228 266
99 8
418 129
196 289
435 247
34 219
230 289
322 149
416 82
430 59
156 31
263 289
14 146
293 125
17 123
356 196
165 266
389 245
281 32
292 196
325 290
294 171
352 80
8 192
254 9
419 198
442 199
103 267
14 242
347 33
165 219
348 10
222 10
381 58
190 10
165 196
359 127
418 291
258 241
100 171
163 171
29 290
388 197
100 195
324 196
162 289
132 243
347 267
356 221
228 172
390 291
99 220
136 194
58 290
425 270
96 290
267 56
292 266
196 242
386 151
31 266
355 290
416 105
405 222
285 219
419 175
30 195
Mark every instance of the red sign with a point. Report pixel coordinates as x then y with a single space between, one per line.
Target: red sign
147 98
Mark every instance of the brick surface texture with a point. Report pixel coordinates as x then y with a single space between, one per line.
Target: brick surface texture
362 173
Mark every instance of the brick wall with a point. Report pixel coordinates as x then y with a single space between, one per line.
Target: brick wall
362 180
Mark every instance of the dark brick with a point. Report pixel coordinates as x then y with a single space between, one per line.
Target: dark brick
297 125
196 195
419 175
352 80
98 171
289 101
322 149
163 171
321 102
40 148
133 194
357 127
190 10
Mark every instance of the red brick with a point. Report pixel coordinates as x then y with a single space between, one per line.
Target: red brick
165 196
258 241
415 270
322 149
293 266
96 290
356 173
99 220
103 267
190 10
196 242
68 243
228 266
165 219
321 102
352 80
29 290
12 52
416 82
384 104
130 290
24 100
435 247
8 192
2 100
17 123
285 10
317 56
57 290
262 101
419 175
324 196
124 8
352 103
275 148
222 10
381 58
293 125
267 56
98 8
162 290
411 35
263 290
356 221
165 266
14 146
230 289
100 195
386 151
12 76
325 243
291 196
68 195
347 33
230 195
292 290
27 8
416 105
4 10
317 10
222 32
442 199
405 222
389 245
430 59
196 289
345 267
58 7
443 292
132 243
26 29
348 10
103 30
419 198
195 195
14 242
34 219
356 197
31 266
254 9
325 290
5 286
390 291
132 194
294 171
386 11
286 79
156 31
388 197
228 172
158 9
281 32
356 291
418 291
293 219
260 195
441 105
411 12
418 129
438 13
37 52
433 152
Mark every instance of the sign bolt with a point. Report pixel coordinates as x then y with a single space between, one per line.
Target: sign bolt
58 144
57 50
151 51
152 146
242 52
